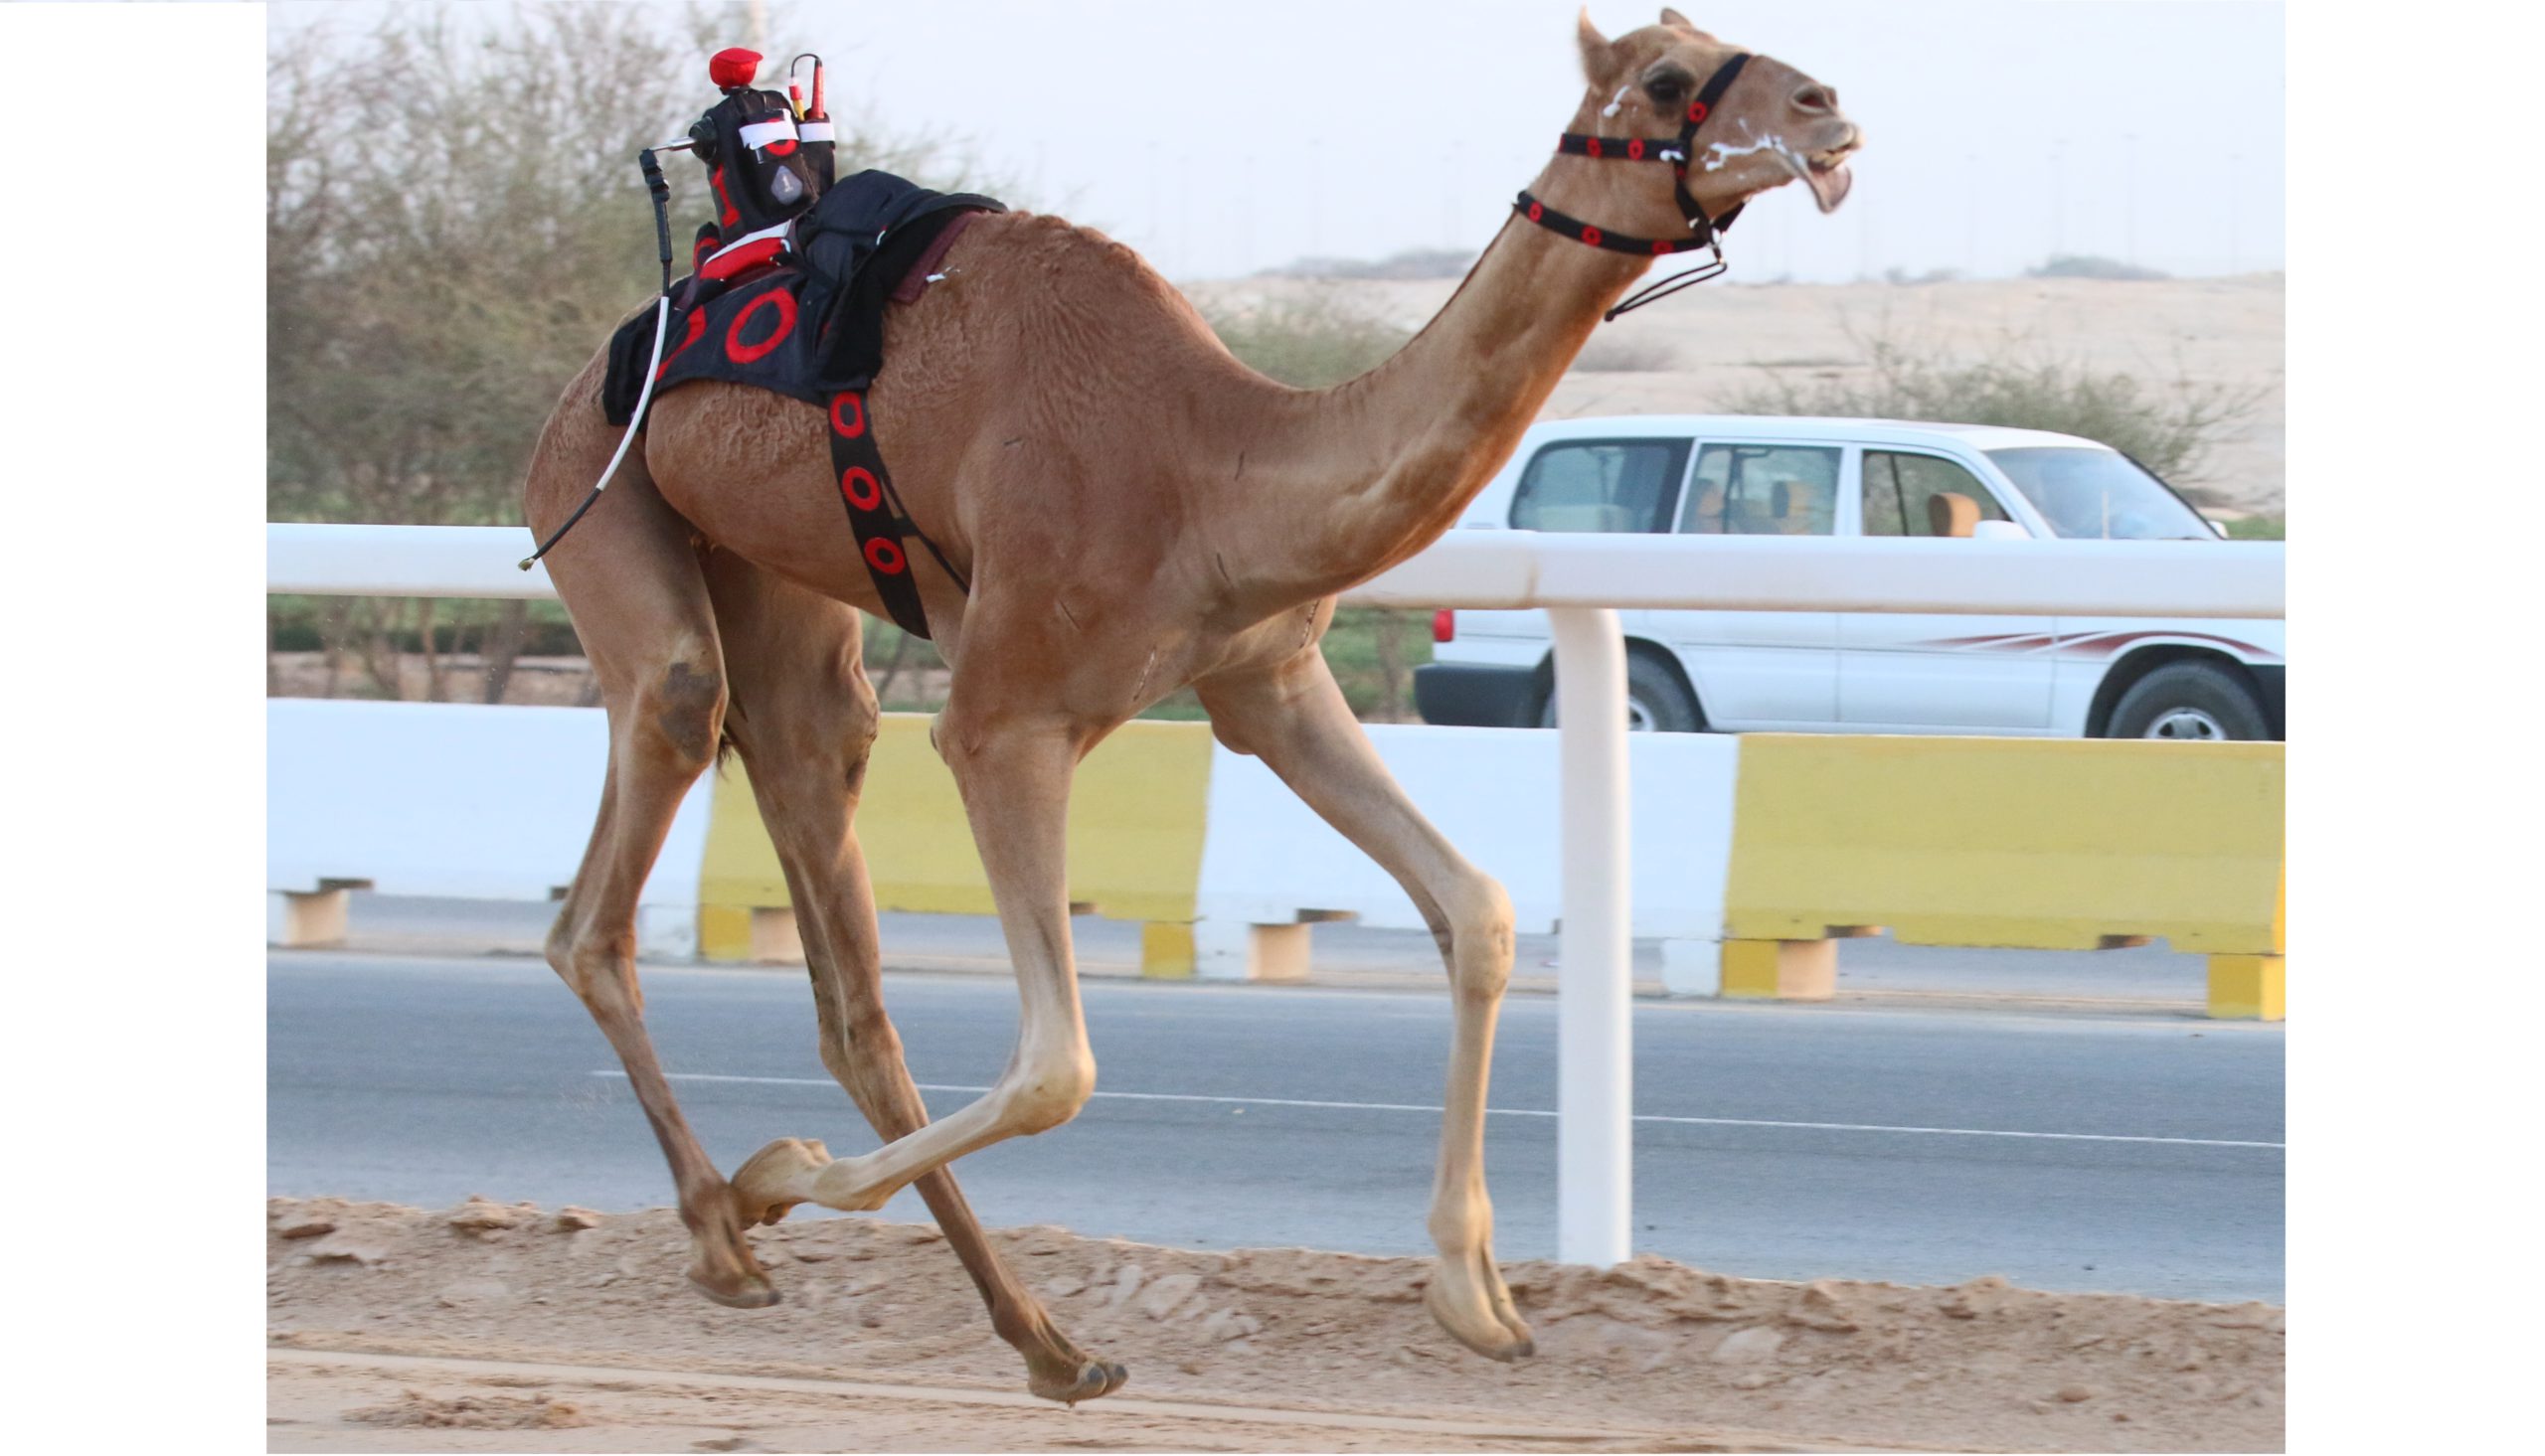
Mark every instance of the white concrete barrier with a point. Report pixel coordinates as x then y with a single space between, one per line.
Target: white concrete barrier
450 799
1268 861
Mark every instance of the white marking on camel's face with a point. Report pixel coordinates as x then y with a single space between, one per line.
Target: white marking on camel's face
1721 152
1617 102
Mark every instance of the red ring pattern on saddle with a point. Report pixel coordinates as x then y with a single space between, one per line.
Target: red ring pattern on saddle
779 300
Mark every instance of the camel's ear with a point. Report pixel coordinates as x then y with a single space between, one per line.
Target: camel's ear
1598 57
1672 17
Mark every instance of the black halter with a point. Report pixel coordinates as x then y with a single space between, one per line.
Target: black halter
1703 229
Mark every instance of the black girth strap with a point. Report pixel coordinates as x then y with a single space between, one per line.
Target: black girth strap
905 219
875 514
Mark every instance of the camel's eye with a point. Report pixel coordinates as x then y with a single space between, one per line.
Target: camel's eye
1668 87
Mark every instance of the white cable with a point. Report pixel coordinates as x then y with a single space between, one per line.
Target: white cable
653 365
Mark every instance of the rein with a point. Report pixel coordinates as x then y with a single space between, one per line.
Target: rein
1704 231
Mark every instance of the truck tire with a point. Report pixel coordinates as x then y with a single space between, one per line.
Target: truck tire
1655 703
2189 701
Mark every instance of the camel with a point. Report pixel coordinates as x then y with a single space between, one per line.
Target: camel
1135 510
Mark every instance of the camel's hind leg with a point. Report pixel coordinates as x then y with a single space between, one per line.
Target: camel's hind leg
804 718
1293 717
631 577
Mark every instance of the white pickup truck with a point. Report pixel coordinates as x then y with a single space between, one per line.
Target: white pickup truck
1858 672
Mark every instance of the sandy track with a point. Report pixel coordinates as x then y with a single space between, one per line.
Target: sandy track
494 1327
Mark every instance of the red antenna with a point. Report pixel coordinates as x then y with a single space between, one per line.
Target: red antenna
816 113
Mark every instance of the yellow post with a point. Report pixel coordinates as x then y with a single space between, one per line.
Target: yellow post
2247 987
725 932
1780 970
1167 951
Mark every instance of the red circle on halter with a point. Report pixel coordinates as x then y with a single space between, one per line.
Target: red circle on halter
1698 111
742 353
1660 245
860 486
886 557
855 425
1590 235
1595 147
1537 212
1634 149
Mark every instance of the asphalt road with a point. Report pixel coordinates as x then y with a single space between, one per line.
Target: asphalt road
2153 976
2131 1153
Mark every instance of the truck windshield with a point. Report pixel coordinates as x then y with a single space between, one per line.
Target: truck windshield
2099 495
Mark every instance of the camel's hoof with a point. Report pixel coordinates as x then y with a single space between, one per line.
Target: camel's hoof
753 1293
1096 1378
763 1187
1483 1333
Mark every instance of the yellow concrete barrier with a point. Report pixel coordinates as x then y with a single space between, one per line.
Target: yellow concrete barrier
1135 838
2044 843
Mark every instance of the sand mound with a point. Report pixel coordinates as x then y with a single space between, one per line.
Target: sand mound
397 1329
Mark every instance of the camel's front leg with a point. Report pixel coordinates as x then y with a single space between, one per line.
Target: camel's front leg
1293 717
1015 778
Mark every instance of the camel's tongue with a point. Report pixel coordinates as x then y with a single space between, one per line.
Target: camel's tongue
1829 188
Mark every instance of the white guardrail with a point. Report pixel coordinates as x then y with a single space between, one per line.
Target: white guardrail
1581 580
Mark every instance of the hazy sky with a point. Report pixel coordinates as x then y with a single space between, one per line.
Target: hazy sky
1221 138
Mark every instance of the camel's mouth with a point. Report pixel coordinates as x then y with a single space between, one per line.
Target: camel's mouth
1826 174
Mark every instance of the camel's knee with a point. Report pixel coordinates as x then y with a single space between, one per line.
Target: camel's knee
598 966
1047 1091
681 712
857 1045
1482 936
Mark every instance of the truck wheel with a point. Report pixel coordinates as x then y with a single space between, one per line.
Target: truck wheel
2191 700
1655 703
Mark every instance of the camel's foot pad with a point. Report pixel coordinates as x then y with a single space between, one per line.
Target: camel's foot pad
1091 1380
1467 1298
775 1178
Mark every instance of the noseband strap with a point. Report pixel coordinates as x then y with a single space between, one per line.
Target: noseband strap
1703 229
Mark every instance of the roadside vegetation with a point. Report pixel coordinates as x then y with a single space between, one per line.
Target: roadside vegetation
2167 426
1307 342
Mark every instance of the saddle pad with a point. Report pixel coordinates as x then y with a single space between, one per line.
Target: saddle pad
808 327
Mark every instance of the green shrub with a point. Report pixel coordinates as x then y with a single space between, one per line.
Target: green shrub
2168 428
1307 342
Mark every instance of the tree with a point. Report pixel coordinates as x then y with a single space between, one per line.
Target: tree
455 224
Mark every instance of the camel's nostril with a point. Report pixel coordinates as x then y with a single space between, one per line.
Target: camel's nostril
1816 98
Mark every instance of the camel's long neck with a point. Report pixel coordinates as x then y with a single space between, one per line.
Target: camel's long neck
1386 462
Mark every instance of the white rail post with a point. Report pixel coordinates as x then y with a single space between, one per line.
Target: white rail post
1594 1044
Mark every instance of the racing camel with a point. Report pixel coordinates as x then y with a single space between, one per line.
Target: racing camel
1135 510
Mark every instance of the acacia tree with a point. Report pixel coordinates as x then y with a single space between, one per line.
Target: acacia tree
454 222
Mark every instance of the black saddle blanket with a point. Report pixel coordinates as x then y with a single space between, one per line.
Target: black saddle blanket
813 325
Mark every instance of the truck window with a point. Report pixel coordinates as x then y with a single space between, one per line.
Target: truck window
1600 485
1762 490
1898 487
2099 495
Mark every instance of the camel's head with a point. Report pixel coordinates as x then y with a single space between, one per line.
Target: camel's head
1775 124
